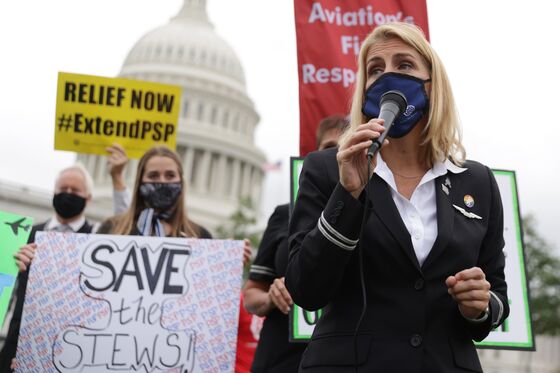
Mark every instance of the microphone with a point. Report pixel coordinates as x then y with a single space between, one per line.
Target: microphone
392 105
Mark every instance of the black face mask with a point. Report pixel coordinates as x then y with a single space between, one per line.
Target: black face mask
68 205
160 196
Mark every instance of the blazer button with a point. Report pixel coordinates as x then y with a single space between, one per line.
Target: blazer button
416 340
419 284
340 204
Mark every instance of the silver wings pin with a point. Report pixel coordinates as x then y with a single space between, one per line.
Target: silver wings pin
467 213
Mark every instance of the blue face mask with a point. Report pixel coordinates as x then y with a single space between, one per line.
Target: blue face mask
416 96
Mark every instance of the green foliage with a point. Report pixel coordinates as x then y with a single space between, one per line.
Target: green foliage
241 225
543 271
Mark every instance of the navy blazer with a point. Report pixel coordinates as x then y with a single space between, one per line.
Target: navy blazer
411 324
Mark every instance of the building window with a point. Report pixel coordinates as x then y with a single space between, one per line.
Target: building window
185 108
200 112
214 172
180 52
225 119
213 114
236 123
197 159
182 151
229 172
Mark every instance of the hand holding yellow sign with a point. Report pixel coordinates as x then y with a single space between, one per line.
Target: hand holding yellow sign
95 112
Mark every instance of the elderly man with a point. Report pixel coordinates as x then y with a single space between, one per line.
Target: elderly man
72 193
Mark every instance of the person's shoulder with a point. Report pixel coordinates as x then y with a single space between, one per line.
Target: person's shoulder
40 226
282 209
474 169
205 233
107 226
322 155
321 162
477 176
201 231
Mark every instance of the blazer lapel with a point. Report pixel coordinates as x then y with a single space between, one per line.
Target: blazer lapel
445 216
385 209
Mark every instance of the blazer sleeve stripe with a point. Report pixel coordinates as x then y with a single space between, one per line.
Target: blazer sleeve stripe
501 311
334 238
335 233
262 270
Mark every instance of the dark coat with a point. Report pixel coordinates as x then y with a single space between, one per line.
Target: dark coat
411 323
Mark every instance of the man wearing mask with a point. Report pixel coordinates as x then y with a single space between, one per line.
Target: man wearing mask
72 193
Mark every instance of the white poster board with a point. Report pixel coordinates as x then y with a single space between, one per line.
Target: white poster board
101 303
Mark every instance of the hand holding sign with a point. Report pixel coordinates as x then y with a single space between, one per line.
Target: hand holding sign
116 162
24 256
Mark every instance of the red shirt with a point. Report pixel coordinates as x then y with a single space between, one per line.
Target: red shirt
248 333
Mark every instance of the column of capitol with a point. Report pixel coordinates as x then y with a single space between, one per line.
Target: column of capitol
217 121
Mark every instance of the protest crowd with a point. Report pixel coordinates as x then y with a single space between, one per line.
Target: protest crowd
372 254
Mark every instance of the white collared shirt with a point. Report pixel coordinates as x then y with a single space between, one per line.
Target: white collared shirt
419 214
53 223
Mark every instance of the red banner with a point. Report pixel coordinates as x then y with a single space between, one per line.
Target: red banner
329 36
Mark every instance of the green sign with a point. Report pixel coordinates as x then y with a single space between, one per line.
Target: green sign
14 232
516 332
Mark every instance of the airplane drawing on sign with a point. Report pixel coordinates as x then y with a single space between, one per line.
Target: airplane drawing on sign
17 224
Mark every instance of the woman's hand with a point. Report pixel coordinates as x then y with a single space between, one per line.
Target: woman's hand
261 297
352 156
279 296
470 290
116 162
24 256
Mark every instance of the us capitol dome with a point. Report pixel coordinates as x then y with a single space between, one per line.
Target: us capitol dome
217 119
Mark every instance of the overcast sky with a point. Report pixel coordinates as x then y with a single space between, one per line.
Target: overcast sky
502 58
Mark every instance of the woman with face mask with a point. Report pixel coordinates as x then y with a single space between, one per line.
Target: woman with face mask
157 207
405 261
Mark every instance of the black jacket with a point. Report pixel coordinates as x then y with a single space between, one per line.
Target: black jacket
411 324
10 346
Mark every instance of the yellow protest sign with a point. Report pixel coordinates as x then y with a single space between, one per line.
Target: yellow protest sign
94 112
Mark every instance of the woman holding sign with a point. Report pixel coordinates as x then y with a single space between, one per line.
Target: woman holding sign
406 261
157 207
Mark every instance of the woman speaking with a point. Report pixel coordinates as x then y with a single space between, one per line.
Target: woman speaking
406 261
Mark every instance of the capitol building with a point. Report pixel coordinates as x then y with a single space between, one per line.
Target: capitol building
216 132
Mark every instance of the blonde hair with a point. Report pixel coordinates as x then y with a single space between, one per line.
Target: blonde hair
180 224
442 134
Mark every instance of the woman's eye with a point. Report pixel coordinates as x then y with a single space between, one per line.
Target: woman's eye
375 71
405 66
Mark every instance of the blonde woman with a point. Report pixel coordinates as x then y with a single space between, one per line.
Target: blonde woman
407 261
